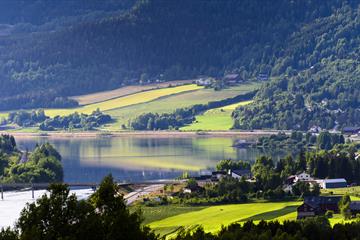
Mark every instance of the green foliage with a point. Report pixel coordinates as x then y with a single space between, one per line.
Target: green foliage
76 121
310 228
329 213
26 119
333 164
344 206
61 216
228 164
43 165
303 189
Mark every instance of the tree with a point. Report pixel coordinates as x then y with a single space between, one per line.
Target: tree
116 221
344 206
61 216
58 216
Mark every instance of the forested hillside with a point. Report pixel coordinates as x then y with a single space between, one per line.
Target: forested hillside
321 87
168 40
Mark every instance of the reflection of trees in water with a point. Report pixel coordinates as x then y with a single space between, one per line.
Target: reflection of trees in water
278 153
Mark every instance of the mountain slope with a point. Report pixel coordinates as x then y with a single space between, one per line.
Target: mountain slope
326 94
158 40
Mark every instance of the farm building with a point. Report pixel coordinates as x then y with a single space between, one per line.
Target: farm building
232 78
246 173
333 183
314 206
351 130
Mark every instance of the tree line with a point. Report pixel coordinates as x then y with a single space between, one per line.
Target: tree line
69 122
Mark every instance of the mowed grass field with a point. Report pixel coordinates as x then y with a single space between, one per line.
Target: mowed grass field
214 217
215 119
120 102
124 91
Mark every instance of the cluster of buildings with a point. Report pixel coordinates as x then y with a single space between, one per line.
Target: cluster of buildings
323 183
228 79
215 176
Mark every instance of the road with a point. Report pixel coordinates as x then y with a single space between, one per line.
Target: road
133 196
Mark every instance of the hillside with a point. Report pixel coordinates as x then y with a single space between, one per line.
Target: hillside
326 94
163 40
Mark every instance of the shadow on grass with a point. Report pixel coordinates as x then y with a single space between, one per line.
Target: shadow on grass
271 214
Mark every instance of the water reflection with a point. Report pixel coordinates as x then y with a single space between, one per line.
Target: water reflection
139 158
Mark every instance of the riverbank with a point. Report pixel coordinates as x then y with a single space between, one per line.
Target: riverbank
92 134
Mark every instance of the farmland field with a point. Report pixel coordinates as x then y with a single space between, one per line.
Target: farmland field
124 101
215 119
124 91
170 103
212 218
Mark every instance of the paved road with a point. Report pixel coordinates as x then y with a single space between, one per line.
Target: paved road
133 196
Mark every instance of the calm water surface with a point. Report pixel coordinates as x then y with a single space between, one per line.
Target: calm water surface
139 158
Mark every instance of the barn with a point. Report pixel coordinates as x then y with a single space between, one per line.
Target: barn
334 183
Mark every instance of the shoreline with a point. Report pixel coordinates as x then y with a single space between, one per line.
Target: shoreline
166 134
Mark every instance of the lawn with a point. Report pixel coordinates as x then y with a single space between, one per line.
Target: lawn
120 102
215 119
353 191
170 103
212 218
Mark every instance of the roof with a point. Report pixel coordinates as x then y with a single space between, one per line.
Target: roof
351 129
335 180
318 200
241 171
355 205
231 76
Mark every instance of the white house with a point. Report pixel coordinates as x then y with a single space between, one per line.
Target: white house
303 177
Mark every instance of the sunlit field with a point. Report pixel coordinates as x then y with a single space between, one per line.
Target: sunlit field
215 119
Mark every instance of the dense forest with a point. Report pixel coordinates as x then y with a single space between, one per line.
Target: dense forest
165 40
321 86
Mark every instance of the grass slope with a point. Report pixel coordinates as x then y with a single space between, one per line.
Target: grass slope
169 103
215 119
124 101
212 218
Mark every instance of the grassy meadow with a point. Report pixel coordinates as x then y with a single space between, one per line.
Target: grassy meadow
212 218
215 119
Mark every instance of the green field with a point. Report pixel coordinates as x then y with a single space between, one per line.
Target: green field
212 218
120 102
215 119
353 191
170 103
